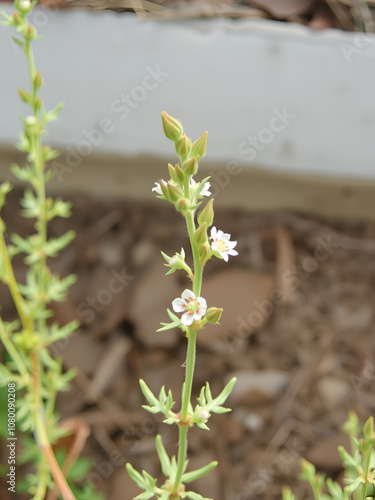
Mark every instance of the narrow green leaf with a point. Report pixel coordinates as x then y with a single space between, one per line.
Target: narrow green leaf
147 393
136 476
163 456
188 477
169 326
201 186
195 496
225 392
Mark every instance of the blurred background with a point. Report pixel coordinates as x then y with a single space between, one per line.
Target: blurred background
285 91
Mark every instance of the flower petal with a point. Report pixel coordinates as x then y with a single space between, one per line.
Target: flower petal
213 232
179 305
202 303
188 295
187 319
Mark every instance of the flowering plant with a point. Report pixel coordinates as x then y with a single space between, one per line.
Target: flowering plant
358 465
32 376
186 195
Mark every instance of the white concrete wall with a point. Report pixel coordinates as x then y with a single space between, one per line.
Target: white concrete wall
232 78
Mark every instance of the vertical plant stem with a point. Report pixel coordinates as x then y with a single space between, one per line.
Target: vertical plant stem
191 352
12 284
12 351
42 438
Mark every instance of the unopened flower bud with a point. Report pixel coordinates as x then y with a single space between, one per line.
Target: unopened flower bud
16 18
172 127
25 96
204 251
199 147
190 166
179 173
174 191
164 188
200 235
213 314
182 205
38 103
183 147
38 80
172 172
26 341
30 33
207 214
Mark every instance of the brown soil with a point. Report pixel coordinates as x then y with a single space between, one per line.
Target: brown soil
303 354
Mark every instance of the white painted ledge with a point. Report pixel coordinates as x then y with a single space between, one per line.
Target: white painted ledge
231 78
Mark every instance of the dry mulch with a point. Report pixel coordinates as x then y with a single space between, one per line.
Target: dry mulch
297 330
349 15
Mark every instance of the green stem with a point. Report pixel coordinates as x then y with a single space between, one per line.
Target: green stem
40 187
198 268
189 374
12 351
11 281
191 350
364 486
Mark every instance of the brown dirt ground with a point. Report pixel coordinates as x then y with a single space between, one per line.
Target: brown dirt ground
302 370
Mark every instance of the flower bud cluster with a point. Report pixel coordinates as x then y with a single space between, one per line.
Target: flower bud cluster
185 193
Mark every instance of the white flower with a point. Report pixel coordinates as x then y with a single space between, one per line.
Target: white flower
222 244
205 191
194 308
157 187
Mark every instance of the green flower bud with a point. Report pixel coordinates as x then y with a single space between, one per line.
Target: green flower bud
30 33
199 147
200 235
38 103
183 147
25 96
26 341
164 189
182 205
207 214
204 251
213 314
16 19
175 192
190 166
38 80
179 173
172 127
172 172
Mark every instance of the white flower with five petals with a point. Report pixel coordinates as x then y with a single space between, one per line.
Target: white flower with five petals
194 308
221 243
